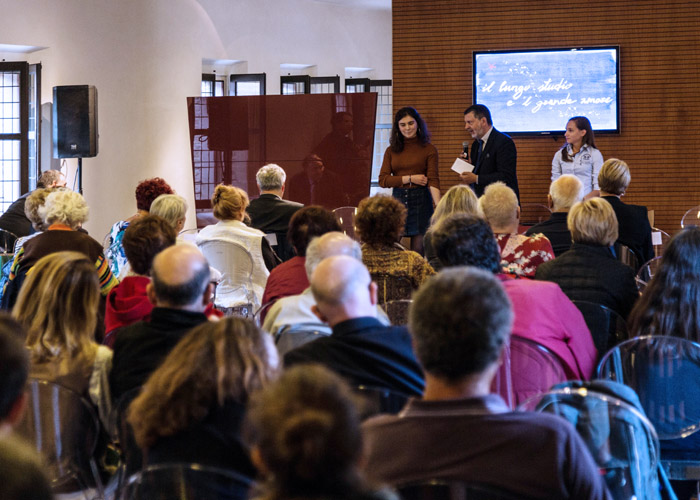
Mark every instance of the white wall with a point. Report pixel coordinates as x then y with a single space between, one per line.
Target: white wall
145 58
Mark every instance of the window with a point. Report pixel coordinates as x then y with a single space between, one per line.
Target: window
247 84
354 85
19 129
211 87
325 84
383 124
298 84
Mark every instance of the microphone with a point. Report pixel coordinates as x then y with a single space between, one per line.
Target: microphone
465 148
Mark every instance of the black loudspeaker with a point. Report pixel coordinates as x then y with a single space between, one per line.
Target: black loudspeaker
74 121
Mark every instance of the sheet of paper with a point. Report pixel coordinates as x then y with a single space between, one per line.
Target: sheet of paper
656 238
460 166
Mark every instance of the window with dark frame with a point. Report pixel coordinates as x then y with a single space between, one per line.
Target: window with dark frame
295 84
211 86
354 85
383 124
247 84
19 129
325 84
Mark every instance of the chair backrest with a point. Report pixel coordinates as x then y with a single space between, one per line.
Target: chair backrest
259 314
664 371
346 218
533 213
439 489
189 234
607 327
7 241
397 311
621 439
123 434
691 217
647 272
527 368
627 256
292 336
391 287
185 482
64 428
236 265
378 400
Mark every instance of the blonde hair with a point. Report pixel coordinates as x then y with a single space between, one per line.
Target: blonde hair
64 207
229 202
614 176
58 306
593 221
213 363
171 207
458 199
31 207
499 204
566 191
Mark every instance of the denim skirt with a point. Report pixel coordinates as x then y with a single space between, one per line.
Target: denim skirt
419 205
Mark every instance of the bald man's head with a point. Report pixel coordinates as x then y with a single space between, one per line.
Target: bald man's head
180 278
343 289
329 245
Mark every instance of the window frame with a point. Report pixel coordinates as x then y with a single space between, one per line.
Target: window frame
293 79
234 78
23 69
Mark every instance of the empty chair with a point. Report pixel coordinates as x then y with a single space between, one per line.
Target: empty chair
346 219
659 239
527 368
627 256
607 327
439 489
647 272
691 217
665 373
621 439
64 429
185 482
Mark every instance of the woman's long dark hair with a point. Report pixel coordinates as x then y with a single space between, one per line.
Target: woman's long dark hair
397 139
670 304
582 123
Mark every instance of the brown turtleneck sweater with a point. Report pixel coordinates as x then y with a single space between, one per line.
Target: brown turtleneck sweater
415 159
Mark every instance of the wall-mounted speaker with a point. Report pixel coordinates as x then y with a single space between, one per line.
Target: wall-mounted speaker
75 121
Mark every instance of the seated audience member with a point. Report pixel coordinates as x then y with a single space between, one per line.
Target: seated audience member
229 204
15 219
35 200
180 291
22 472
63 212
520 254
58 308
172 208
379 223
564 193
634 229
128 302
296 309
289 278
191 408
589 271
146 191
14 370
269 212
361 349
541 310
670 304
305 439
460 320
459 199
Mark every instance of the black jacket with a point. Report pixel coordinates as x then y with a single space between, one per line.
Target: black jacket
634 228
497 163
591 273
271 214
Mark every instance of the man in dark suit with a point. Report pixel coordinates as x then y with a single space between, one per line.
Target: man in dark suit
361 348
270 213
492 153
633 224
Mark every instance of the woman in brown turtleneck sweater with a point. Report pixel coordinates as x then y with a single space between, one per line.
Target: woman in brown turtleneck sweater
410 167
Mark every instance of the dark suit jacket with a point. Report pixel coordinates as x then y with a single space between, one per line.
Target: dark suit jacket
497 163
556 231
271 214
365 352
634 228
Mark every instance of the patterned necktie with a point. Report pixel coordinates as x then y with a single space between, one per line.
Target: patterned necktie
478 152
